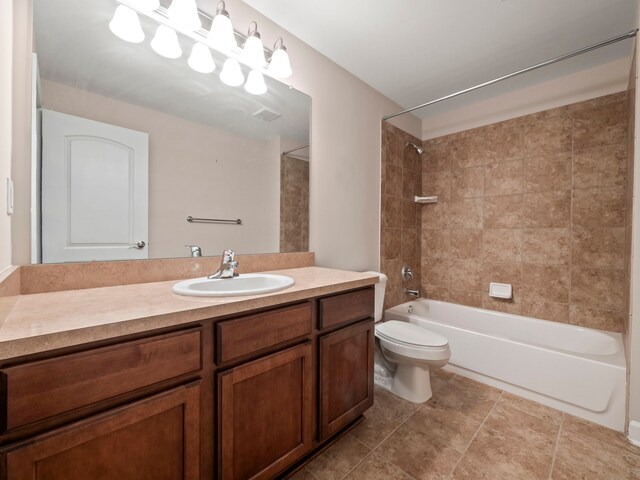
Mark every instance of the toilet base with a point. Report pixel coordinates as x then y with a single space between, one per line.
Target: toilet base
412 383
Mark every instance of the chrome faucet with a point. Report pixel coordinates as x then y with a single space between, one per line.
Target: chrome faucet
227 266
412 293
196 251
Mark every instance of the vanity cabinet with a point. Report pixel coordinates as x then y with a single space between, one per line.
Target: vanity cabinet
345 390
266 410
251 396
155 438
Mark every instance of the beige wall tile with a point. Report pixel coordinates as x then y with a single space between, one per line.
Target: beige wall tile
602 125
435 215
512 305
467 183
466 243
547 210
465 274
546 282
466 213
595 318
435 292
409 243
548 246
557 312
435 271
393 180
504 211
598 288
411 184
510 273
411 160
467 151
409 213
600 167
437 183
436 243
599 207
436 157
548 135
392 211
502 245
465 297
598 247
548 173
504 178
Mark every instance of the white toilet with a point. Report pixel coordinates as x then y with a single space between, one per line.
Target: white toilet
407 351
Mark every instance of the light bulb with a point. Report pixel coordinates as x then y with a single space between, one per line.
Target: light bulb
145 5
200 59
221 35
231 73
125 24
255 83
183 14
253 50
165 42
280 67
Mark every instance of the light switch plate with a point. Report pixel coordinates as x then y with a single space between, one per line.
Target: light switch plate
9 196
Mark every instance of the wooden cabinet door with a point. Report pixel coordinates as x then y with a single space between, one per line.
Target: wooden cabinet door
156 438
266 414
346 376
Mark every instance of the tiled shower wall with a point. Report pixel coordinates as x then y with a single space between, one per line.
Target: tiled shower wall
400 225
537 202
294 204
631 107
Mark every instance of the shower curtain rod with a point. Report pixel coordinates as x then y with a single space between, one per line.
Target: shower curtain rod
296 149
566 56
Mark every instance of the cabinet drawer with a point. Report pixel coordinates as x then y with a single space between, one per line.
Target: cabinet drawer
42 389
346 308
251 334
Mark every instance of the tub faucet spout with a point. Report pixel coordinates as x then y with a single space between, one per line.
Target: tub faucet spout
413 293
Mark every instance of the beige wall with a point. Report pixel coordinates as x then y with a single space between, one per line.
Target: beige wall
537 202
193 170
6 43
591 83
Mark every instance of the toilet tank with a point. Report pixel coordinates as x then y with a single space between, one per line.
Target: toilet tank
379 295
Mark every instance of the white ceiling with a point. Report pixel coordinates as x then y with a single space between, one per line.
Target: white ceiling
414 51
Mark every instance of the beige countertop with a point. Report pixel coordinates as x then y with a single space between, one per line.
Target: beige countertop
46 321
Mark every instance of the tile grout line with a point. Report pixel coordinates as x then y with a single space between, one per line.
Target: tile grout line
475 434
555 449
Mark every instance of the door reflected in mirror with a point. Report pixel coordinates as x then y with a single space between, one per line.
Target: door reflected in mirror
130 144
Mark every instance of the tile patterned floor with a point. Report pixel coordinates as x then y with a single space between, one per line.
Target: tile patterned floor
470 431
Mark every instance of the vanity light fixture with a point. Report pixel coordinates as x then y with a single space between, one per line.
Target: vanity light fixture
221 35
165 42
253 50
231 73
200 59
279 66
125 24
255 83
183 16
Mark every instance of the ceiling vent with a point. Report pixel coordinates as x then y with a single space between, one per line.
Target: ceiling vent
266 115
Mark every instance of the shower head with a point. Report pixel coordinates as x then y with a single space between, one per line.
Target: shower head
418 149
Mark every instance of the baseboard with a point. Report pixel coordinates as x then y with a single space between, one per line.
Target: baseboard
634 432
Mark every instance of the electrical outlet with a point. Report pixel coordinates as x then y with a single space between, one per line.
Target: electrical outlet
9 196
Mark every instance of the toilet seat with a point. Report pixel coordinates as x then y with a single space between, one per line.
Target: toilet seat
412 341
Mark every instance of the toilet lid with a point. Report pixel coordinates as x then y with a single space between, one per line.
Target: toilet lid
409 333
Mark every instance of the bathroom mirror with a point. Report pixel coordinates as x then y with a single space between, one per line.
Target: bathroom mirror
129 144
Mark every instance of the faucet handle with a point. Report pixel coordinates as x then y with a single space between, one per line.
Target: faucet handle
228 256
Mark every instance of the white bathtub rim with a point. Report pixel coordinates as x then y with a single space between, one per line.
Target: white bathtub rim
616 359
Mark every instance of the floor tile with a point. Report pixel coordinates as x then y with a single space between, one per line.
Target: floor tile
439 378
420 455
386 414
540 434
453 428
598 432
531 408
469 470
464 395
582 457
303 474
376 468
509 456
339 459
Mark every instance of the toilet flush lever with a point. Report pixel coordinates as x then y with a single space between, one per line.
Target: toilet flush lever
407 273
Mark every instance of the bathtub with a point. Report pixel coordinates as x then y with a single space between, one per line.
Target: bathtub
577 370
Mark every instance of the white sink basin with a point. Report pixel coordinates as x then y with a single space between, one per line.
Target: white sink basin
245 284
